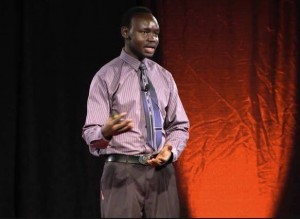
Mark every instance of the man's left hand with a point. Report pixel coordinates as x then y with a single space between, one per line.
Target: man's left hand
162 157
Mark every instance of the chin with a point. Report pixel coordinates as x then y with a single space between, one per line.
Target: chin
149 55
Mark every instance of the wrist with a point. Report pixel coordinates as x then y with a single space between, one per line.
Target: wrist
105 136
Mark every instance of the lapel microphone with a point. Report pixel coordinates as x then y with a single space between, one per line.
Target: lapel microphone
146 87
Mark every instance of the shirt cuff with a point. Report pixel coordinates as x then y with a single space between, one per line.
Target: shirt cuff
95 140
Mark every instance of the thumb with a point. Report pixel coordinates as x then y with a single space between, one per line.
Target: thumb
169 147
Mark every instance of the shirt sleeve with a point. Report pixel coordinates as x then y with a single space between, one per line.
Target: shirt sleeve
97 114
176 122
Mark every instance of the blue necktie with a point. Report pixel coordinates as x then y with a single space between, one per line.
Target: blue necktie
151 108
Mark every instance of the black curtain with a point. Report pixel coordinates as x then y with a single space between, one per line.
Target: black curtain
50 51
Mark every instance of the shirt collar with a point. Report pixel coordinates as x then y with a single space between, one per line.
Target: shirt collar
133 62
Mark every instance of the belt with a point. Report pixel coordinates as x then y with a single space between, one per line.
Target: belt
133 159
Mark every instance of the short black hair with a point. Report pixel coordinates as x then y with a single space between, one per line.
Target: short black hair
127 16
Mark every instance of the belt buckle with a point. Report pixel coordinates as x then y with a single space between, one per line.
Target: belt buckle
144 158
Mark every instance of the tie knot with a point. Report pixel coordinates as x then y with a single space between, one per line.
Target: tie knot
143 67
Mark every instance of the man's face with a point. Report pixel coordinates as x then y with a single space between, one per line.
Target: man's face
142 39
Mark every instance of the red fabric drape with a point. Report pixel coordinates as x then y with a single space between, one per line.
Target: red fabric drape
234 63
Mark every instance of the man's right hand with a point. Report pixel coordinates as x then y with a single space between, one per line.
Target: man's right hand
115 125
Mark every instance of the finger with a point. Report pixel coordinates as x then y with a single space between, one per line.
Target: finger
119 116
122 130
126 126
161 161
155 162
152 163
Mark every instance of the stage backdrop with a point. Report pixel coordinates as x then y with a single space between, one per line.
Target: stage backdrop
235 63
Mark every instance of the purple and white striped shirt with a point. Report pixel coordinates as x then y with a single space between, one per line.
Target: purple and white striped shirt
116 88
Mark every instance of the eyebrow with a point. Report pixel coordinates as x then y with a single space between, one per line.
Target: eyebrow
150 29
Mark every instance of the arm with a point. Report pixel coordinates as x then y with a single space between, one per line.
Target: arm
97 113
176 127
176 123
99 126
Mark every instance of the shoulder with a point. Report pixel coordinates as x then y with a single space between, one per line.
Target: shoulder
109 66
109 70
154 66
160 76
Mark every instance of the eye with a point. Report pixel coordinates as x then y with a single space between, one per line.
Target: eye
145 33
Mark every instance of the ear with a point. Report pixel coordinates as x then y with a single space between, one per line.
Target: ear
125 32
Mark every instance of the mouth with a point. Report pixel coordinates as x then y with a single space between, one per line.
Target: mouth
150 49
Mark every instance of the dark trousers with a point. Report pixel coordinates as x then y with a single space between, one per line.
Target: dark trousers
138 191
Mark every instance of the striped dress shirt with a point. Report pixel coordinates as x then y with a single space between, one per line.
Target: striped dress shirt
116 88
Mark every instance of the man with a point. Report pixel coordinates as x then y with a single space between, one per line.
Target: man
138 180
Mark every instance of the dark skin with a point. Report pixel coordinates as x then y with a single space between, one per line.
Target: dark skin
141 40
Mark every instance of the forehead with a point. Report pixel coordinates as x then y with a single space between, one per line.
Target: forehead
144 20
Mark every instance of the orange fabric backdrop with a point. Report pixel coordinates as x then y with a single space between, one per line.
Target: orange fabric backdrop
234 63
